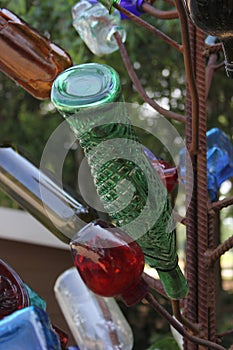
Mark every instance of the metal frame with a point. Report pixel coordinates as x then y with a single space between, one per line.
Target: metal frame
199 317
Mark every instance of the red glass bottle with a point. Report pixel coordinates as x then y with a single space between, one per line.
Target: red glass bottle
28 57
167 173
109 262
13 293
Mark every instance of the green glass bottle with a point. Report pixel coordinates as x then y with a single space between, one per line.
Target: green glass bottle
89 97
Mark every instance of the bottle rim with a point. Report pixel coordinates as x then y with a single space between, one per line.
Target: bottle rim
85 85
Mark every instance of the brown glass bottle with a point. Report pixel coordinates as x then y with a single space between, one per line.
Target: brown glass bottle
28 57
60 212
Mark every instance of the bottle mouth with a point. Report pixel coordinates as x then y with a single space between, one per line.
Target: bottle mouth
85 85
110 39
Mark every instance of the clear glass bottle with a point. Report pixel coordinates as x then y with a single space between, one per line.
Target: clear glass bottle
147 217
63 214
96 26
28 57
97 323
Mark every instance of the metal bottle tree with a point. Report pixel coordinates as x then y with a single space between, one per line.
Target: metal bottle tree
198 322
201 250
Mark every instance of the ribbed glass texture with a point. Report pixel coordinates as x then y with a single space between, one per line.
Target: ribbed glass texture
130 189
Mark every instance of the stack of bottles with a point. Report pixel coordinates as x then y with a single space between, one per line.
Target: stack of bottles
142 208
219 161
116 257
95 321
24 323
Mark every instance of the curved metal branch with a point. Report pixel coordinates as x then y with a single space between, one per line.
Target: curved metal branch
218 205
151 10
189 74
194 327
213 255
154 284
138 86
149 27
164 313
210 71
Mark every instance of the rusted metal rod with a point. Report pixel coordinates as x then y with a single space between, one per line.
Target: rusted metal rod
210 69
164 313
218 205
154 284
194 327
189 70
133 76
213 255
149 27
151 10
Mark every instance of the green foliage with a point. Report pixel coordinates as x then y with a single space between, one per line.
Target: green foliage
163 342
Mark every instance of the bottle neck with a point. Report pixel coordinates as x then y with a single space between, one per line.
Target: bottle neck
96 119
135 293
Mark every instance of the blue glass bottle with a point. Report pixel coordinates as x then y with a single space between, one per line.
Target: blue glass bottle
28 329
134 6
219 161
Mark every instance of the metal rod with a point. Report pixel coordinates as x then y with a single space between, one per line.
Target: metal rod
149 27
194 327
213 255
189 70
151 10
164 313
218 205
138 86
191 305
154 284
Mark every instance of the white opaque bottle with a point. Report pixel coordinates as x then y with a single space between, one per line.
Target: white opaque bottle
96 322
96 26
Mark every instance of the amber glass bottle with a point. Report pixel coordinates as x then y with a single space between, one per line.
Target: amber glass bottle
28 57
